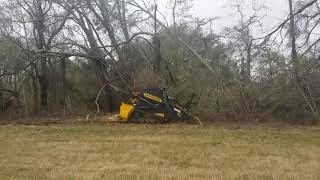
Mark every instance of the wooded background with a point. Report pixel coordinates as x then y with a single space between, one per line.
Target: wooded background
75 57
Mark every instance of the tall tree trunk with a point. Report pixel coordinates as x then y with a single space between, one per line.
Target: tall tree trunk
15 81
35 95
53 88
63 68
44 84
174 15
157 54
248 63
294 54
157 45
43 77
122 18
242 70
270 67
1 96
125 52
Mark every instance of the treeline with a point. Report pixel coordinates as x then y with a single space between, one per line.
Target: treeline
83 56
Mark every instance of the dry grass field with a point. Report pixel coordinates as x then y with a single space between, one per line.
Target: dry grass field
153 152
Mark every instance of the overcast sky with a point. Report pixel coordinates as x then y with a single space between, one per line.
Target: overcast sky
278 9
211 8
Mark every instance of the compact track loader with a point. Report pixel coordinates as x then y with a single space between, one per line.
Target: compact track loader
152 105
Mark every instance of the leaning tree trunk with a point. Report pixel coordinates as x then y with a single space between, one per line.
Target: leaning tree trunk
108 90
300 85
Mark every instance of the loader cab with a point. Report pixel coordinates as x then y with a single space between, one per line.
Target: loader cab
159 92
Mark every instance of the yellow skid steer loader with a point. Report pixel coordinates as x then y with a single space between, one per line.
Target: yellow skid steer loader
152 105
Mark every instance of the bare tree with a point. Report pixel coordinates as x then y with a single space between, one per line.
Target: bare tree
242 34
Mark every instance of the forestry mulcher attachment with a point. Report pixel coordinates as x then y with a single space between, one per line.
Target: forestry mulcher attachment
152 105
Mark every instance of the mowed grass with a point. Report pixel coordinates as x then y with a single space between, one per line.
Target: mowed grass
157 152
